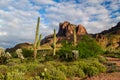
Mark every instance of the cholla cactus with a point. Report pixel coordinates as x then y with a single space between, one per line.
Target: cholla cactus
19 53
4 56
8 55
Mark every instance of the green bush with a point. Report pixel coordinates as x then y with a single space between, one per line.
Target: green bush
51 73
88 47
3 69
80 73
32 66
54 75
65 53
71 71
88 66
2 76
27 52
74 70
63 68
15 75
98 65
19 67
91 71
102 59
14 55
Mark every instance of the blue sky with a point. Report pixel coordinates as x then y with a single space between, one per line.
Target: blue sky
18 17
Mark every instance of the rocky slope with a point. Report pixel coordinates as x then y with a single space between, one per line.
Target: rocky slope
20 45
110 38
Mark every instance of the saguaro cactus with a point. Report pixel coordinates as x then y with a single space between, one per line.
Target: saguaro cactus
39 41
36 39
75 36
54 43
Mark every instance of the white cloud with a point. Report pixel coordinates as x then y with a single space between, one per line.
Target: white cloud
3 33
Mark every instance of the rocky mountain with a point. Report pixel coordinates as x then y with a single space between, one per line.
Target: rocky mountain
65 32
110 38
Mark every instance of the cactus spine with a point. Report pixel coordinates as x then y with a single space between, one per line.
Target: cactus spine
54 43
36 39
75 36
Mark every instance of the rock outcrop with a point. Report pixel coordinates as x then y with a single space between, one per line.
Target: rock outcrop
65 32
66 29
20 46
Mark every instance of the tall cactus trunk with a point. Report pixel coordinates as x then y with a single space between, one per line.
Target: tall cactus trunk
54 43
39 41
75 36
36 39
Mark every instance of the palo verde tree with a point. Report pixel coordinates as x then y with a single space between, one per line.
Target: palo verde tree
37 39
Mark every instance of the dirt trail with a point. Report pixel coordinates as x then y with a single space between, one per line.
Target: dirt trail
114 60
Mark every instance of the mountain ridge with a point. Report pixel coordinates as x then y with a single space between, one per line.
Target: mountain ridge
107 38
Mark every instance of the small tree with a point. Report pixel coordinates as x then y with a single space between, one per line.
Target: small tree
88 47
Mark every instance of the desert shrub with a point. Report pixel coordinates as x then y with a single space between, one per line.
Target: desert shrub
2 76
18 67
63 68
88 47
88 66
32 66
14 55
51 73
91 71
54 75
65 53
33 78
15 75
99 66
27 52
101 59
74 70
13 61
3 71
80 73
49 58
82 64
71 71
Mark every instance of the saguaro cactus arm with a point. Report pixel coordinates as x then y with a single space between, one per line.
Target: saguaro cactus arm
39 41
